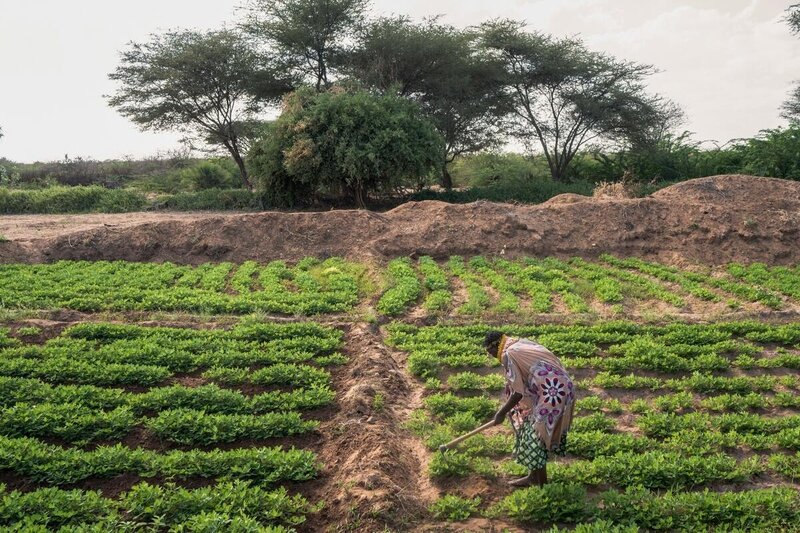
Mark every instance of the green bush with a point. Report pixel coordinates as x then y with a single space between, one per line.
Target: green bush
208 175
489 168
210 200
348 144
455 508
70 200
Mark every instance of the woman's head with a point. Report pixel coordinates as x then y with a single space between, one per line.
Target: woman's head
491 342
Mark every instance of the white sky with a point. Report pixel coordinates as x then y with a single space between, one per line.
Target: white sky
728 63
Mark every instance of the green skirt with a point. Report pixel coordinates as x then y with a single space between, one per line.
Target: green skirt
530 451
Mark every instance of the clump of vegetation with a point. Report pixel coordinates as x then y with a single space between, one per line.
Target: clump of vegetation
61 199
343 142
29 331
454 508
404 288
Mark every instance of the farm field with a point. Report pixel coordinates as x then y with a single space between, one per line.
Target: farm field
180 424
667 417
609 287
455 289
313 396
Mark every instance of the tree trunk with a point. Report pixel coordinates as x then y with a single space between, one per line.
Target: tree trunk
556 171
360 197
447 180
242 168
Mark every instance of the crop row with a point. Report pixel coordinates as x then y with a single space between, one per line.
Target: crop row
653 469
107 355
685 401
528 285
67 370
209 398
77 424
46 463
404 288
616 347
774 509
226 506
310 287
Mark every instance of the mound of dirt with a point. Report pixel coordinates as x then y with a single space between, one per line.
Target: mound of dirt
374 476
710 220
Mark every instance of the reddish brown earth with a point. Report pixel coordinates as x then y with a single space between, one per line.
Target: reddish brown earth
709 220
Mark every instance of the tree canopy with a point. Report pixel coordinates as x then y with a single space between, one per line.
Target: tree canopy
566 96
306 35
439 67
204 83
793 18
790 109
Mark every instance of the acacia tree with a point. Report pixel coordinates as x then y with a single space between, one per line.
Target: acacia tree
206 84
790 109
566 97
439 67
306 35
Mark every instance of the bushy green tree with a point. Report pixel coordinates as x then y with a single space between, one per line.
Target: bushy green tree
200 83
343 142
566 97
441 68
306 35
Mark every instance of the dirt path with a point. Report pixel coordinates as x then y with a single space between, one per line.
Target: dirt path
709 220
374 475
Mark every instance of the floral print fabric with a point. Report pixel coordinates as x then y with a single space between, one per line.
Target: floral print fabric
548 393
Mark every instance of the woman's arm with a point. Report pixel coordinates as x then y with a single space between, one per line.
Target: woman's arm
501 414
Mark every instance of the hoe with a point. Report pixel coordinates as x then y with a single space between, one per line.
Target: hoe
465 436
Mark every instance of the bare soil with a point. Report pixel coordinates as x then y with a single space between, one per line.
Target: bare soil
711 220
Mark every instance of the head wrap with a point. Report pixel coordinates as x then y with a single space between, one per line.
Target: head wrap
500 347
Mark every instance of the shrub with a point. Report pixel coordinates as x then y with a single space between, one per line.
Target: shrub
70 200
210 199
208 175
346 143
452 507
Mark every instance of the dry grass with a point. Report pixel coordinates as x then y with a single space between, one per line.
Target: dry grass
628 187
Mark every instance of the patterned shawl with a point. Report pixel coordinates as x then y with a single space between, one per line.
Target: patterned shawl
548 394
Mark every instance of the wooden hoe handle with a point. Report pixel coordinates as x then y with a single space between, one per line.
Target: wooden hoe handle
464 437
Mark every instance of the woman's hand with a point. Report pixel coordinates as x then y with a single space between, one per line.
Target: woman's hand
501 414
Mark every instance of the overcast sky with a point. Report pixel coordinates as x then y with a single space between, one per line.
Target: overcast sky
728 63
